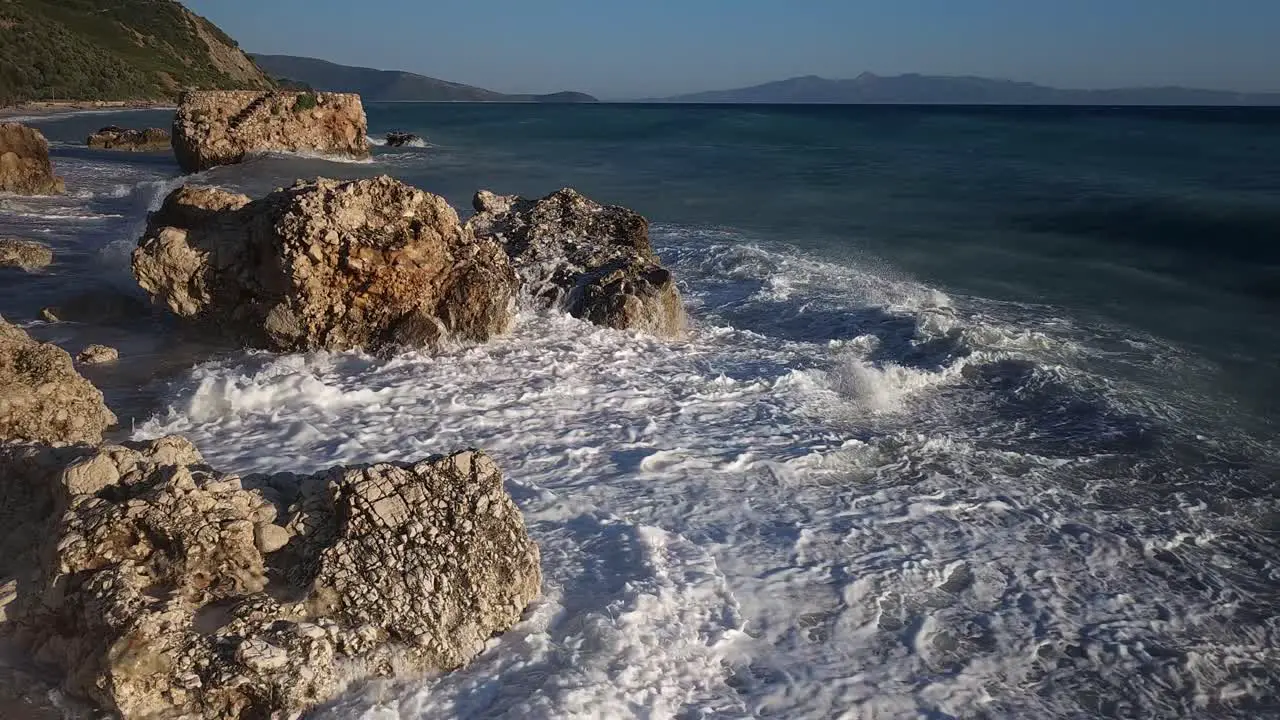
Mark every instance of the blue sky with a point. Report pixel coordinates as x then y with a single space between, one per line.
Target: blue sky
635 48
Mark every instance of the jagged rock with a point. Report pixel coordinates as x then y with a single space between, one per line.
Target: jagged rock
97 355
370 264
595 260
396 138
42 397
222 127
114 137
24 162
158 599
25 254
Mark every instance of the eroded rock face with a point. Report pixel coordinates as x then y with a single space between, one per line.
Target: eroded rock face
27 255
170 590
369 264
42 397
222 127
595 260
24 162
114 137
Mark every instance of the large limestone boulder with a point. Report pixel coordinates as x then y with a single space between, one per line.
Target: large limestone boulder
595 260
166 589
371 264
24 162
42 397
114 137
222 127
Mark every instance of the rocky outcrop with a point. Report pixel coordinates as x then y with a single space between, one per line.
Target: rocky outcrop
24 162
97 355
214 128
42 397
165 589
114 137
397 138
594 260
27 255
370 264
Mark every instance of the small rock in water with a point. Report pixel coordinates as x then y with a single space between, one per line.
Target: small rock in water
28 255
98 354
42 397
24 162
367 264
396 138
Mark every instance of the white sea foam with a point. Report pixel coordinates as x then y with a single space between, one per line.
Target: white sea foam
767 520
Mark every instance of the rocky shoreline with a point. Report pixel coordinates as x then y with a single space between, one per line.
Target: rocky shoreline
151 585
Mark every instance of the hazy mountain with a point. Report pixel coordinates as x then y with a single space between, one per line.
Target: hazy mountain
390 84
114 50
927 89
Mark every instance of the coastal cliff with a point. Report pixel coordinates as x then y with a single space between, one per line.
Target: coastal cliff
139 50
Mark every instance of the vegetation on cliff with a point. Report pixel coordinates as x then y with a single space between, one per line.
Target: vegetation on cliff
114 50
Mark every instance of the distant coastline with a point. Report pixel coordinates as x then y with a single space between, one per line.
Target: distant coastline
58 107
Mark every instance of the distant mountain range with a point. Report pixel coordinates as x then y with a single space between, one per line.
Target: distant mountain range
932 89
389 85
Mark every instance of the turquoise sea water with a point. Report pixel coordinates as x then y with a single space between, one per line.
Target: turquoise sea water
978 417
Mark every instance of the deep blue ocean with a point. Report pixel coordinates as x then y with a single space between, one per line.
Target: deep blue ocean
978 416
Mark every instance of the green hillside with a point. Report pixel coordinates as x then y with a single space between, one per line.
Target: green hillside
114 50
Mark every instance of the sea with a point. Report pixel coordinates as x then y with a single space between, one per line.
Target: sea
977 416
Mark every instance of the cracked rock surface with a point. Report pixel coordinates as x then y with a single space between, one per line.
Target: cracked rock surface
165 589
368 264
42 397
593 259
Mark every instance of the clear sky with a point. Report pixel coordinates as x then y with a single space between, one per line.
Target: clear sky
618 49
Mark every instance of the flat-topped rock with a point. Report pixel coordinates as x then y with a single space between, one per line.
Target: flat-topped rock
25 168
42 397
114 137
26 255
369 264
168 589
593 259
222 127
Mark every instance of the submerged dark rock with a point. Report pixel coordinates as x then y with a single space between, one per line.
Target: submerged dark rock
593 259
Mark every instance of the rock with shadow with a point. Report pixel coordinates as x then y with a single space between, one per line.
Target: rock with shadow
114 137
24 162
368 264
595 260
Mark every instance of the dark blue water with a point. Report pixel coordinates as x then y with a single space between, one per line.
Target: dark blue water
978 418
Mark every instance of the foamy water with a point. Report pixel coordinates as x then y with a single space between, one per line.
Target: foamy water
845 494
